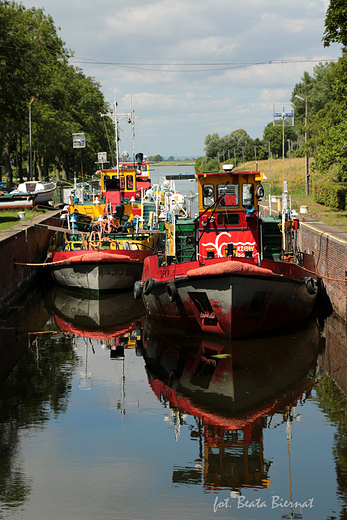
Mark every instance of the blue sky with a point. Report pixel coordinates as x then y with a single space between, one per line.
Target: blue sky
193 68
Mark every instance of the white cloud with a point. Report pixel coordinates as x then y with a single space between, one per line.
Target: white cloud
190 69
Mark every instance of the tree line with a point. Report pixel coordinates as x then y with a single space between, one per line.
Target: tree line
326 94
36 79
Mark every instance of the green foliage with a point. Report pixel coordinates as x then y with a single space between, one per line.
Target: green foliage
274 135
236 147
156 158
335 23
33 64
198 164
203 164
330 194
317 90
213 165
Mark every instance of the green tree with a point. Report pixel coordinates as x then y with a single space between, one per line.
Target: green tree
335 23
29 46
328 136
274 135
33 64
317 90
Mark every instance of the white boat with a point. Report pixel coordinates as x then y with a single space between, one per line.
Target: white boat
43 191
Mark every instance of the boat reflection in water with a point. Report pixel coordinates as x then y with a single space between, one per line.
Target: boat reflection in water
115 319
232 388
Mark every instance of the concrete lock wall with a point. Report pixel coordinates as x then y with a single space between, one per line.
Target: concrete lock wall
24 244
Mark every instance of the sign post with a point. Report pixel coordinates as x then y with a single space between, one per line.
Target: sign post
102 158
79 141
285 117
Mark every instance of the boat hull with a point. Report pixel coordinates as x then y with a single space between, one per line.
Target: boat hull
41 191
97 277
229 305
42 197
16 203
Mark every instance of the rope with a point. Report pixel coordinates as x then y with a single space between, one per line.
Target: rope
325 277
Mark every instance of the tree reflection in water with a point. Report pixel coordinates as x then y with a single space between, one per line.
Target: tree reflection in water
36 390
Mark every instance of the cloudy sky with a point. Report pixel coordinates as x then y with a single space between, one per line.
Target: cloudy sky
192 68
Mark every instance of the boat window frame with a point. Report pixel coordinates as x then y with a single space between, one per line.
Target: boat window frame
208 200
129 179
237 193
250 201
226 219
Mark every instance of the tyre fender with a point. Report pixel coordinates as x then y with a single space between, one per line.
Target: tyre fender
148 286
310 285
172 292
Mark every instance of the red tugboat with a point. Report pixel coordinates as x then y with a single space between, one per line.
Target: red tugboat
229 271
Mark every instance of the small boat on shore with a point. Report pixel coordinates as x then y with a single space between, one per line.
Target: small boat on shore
41 192
229 271
16 201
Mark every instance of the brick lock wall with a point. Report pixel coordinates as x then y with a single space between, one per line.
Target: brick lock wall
331 263
330 254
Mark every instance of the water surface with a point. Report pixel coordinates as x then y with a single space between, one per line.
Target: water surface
98 423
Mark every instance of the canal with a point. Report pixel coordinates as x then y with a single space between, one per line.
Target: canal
106 414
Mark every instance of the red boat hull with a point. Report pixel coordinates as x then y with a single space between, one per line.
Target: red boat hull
227 297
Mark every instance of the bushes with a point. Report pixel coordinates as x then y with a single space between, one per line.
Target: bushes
204 164
331 194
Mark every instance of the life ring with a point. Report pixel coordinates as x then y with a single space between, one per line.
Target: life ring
310 285
137 290
147 288
172 292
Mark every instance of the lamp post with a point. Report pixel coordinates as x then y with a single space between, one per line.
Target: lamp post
30 148
307 170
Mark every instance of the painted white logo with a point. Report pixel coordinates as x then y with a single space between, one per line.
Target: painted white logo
223 239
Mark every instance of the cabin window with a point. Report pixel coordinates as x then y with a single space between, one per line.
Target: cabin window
228 219
229 194
122 183
208 195
247 194
130 183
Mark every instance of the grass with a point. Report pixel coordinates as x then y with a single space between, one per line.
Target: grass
173 163
295 177
9 217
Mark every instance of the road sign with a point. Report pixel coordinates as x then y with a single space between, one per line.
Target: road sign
102 157
79 140
283 114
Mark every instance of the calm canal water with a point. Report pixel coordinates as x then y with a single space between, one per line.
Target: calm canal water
105 414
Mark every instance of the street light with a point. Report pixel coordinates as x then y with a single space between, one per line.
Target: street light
30 149
307 173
